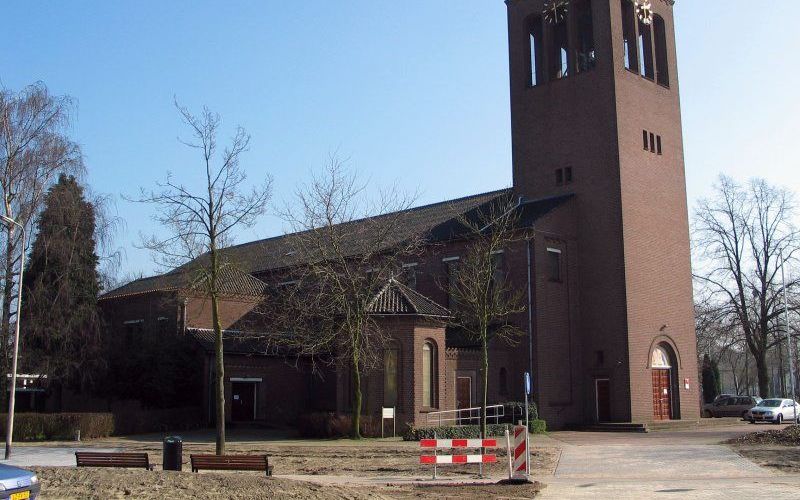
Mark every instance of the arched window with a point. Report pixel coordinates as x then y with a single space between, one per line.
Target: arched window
629 35
660 358
558 54
391 372
646 68
584 24
503 382
537 72
429 377
660 42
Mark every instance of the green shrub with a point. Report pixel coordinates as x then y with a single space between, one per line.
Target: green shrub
335 426
538 427
60 426
466 431
515 411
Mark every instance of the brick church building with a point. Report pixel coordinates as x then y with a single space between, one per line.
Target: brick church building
598 168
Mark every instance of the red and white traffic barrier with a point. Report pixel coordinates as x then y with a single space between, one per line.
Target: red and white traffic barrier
457 459
450 444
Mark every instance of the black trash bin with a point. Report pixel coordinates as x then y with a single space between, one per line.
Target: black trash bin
173 453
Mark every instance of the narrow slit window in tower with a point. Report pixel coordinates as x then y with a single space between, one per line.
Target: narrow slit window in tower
646 50
587 56
662 61
629 35
537 52
559 50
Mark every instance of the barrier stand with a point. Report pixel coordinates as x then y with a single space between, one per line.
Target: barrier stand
521 465
436 459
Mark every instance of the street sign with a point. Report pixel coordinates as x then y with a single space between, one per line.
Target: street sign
527 383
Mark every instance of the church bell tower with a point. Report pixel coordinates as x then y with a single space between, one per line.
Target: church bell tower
595 111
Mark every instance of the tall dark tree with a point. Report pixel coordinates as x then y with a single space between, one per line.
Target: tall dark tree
60 319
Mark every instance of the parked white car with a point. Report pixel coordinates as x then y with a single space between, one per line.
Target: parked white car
775 411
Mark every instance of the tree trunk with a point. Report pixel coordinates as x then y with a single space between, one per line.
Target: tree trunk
218 349
5 319
220 369
763 374
356 428
485 384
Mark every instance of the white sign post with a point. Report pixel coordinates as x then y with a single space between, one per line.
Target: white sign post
527 420
388 413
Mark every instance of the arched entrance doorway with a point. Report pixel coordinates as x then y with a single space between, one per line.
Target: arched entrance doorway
663 370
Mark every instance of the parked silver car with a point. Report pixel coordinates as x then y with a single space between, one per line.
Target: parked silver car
730 406
774 410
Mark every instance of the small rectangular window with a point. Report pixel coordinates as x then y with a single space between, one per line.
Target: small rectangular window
554 264
559 176
568 175
652 142
658 144
645 141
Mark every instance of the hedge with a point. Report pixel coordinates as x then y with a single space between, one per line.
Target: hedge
332 426
60 426
465 431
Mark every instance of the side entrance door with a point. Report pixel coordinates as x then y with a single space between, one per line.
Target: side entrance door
662 394
463 398
244 401
603 391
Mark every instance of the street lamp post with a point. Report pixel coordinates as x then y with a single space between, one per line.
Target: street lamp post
12 394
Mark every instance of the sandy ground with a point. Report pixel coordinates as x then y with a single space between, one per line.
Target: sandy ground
71 483
390 457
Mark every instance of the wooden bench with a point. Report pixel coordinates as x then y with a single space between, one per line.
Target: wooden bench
121 460
231 462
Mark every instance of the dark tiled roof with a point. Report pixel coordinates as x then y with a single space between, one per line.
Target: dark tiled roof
281 251
438 221
236 342
233 283
396 299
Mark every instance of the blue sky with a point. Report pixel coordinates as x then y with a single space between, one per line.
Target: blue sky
413 91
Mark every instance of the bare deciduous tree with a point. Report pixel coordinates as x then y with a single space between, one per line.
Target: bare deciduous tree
201 223
739 234
34 150
351 247
482 296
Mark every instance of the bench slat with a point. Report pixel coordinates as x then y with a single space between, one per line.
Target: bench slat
105 459
231 462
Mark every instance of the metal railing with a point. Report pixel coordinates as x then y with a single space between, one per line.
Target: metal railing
465 416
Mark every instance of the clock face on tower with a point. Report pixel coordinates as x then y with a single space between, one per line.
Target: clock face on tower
644 10
555 11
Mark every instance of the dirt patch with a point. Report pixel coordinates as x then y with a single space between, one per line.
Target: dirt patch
788 436
69 483
343 458
777 457
775 448
73 483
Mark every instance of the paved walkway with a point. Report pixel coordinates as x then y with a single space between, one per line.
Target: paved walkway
672 464
46 456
